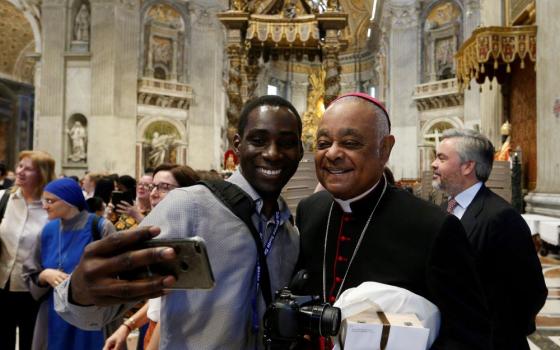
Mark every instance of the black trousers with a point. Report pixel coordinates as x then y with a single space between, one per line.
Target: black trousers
18 309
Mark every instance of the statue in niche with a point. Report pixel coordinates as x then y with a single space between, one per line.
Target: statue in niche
81 24
160 146
78 137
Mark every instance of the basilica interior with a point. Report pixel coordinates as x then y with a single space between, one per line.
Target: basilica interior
123 85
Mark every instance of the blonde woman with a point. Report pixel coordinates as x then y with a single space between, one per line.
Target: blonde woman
20 226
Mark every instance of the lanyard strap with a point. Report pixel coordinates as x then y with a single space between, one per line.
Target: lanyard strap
266 250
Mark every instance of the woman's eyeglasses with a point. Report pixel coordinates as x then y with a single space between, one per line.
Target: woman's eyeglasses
161 187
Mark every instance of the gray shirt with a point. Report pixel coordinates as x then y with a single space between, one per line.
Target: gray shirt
220 318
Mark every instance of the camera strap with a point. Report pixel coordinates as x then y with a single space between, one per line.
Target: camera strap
241 204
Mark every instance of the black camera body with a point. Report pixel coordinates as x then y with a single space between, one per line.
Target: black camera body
290 317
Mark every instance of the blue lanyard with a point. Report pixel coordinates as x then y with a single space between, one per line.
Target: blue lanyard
267 247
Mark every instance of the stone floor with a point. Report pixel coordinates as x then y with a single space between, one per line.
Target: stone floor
547 336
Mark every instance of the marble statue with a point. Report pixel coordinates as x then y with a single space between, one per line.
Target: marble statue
159 148
81 24
78 137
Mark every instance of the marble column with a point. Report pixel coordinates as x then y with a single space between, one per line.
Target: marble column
331 65
404 72
471 19
50 93
114 62
546 197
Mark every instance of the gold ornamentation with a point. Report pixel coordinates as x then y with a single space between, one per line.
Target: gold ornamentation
489 47
164 13
315 106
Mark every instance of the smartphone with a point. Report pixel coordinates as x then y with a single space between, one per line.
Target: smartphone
118 196
192 268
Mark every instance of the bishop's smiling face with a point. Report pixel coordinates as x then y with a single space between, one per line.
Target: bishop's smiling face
350 155
270 149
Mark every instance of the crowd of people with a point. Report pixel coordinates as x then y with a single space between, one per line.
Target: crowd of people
67 243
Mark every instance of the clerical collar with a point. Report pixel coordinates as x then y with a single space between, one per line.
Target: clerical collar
345 204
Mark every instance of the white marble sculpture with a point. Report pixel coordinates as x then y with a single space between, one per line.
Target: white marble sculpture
81 24
78 137
159 148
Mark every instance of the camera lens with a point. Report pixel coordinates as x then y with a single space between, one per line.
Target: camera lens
323 320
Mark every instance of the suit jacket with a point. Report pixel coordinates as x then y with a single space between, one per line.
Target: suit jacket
508 265
409 243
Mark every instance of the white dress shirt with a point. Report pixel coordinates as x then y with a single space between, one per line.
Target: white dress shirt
19 229
465 198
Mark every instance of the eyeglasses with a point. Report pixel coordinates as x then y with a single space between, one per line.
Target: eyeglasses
161 187
144 185
48 201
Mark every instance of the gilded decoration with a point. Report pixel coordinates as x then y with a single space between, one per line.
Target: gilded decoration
491 50
165 14
315 106
443 14
358 23
15 36
274 29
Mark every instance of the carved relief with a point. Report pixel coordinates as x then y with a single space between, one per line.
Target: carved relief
203 17
162 139
404 17
161 50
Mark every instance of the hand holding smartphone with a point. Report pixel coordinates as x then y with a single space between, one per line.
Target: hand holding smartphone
118 196
191 268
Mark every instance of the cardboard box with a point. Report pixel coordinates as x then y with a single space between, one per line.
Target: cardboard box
371 331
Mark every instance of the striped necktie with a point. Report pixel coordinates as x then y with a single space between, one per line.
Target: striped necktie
451 205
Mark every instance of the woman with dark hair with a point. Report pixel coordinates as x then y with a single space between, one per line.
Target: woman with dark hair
166 178
127 183
57 253
103 189
20 226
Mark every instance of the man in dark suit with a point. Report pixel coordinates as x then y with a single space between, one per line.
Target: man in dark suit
506 258
364 229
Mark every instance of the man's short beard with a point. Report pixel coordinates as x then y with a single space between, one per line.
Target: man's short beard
437 185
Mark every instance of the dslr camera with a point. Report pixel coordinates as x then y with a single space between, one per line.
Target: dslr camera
290 317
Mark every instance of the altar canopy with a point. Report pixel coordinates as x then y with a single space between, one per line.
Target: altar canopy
491 51
275 29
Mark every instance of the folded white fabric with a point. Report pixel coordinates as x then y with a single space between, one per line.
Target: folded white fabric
379 297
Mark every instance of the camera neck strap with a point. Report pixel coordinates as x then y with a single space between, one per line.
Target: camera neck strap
241 204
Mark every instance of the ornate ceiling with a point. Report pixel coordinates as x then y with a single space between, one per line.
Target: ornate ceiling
359 12
16 35
16 40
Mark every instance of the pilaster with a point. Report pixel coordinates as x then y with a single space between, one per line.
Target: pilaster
50 97
546 198
404 74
